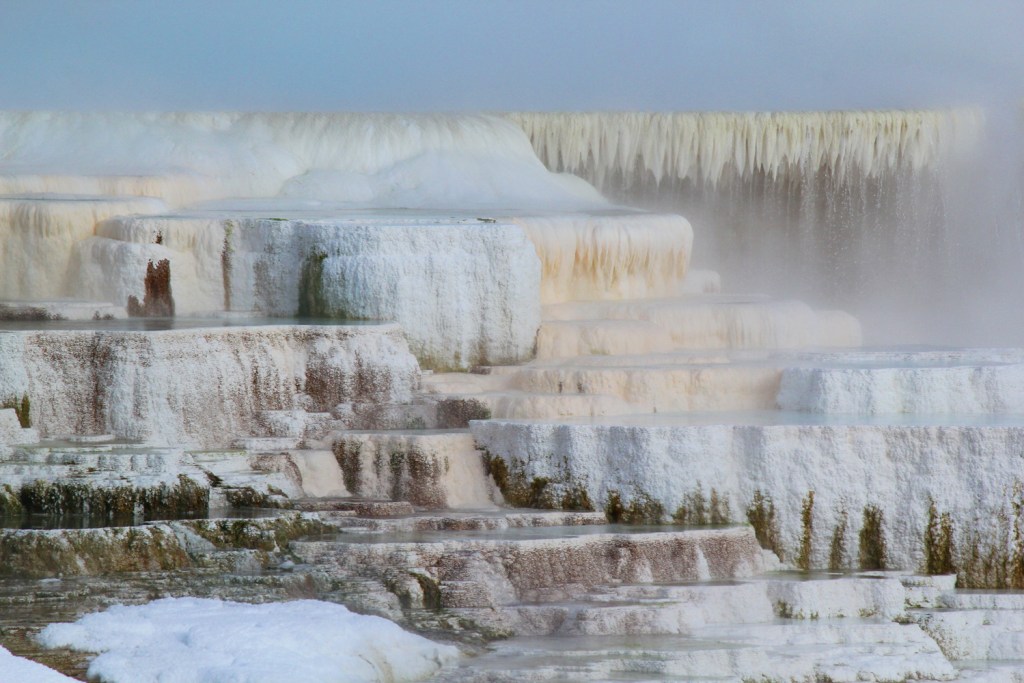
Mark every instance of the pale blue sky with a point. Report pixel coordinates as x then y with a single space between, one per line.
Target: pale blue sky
490 55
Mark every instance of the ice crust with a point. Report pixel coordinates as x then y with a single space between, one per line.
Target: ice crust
193 640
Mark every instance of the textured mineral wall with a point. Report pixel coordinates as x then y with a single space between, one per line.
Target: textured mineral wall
161 386
520 567
620 255
430 469
833 494
464 291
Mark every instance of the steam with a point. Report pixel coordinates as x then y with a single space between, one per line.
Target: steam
912 220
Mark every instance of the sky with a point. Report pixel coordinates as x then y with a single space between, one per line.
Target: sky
491 55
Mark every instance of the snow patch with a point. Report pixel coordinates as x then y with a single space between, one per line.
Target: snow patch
24 670
209 641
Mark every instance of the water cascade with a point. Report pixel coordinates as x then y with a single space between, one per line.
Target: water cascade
409 364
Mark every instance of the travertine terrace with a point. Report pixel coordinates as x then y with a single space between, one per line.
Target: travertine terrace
396 362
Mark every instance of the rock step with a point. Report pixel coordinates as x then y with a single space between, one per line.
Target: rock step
524 405
465 521
975 633
981 600
649 460
653 609
923 385
662 388
361 507
992 672
645 616
84 464
88 453
695 322
712 663
681 357
926 591
571 338
838 596
276 474
464 382
617 385
485 569
267 443
431 469
800 598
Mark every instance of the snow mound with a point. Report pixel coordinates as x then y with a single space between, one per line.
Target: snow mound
192 640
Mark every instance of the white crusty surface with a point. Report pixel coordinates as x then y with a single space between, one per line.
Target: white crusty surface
161 386
969 471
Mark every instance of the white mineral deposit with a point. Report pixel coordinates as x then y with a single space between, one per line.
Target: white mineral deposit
546 393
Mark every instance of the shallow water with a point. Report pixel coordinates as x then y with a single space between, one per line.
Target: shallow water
513 534
779 418
77 521
165 324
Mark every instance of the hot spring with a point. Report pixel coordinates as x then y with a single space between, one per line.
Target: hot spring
586 396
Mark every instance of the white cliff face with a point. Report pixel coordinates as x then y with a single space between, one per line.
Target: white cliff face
199 387
970 472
